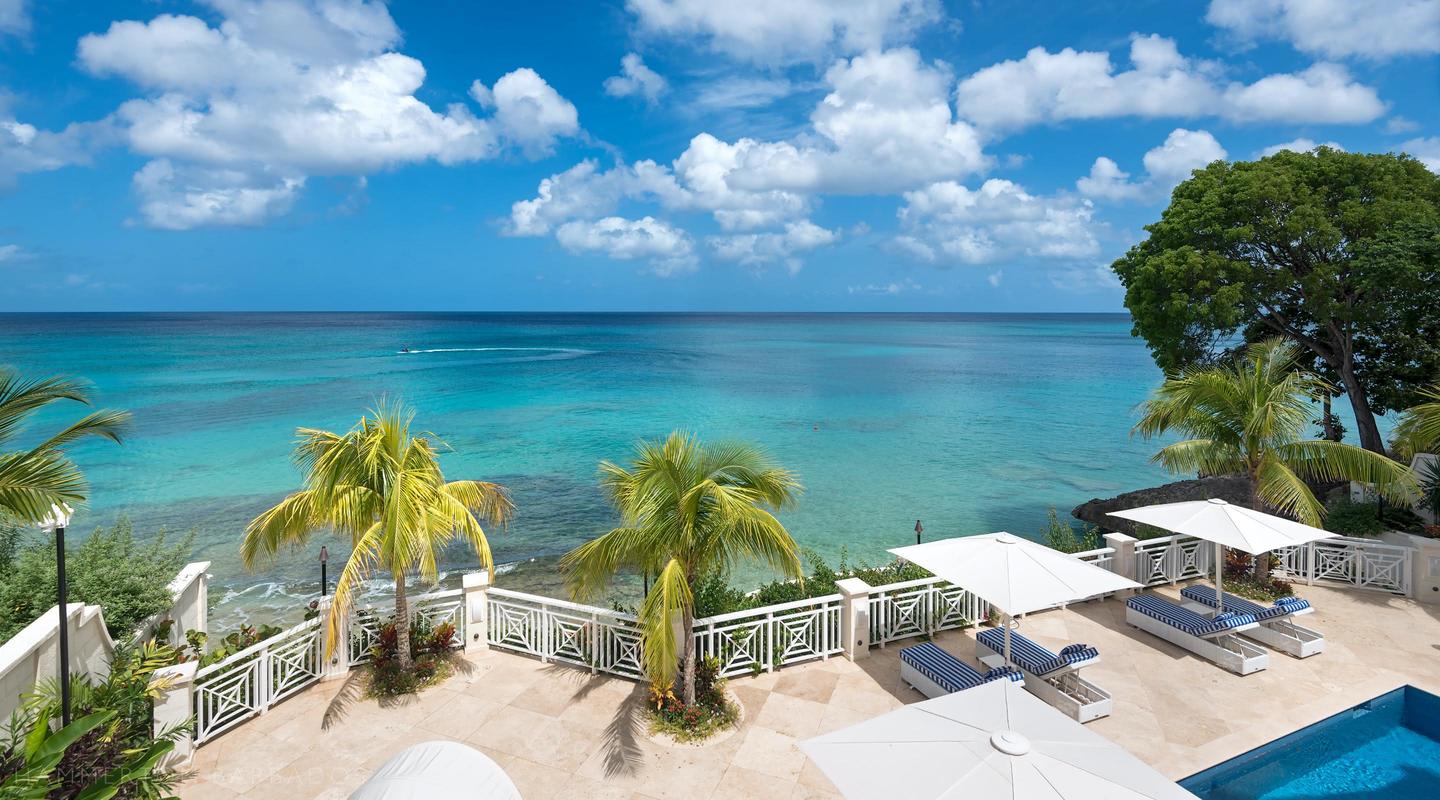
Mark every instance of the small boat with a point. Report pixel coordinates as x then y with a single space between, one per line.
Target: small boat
406 350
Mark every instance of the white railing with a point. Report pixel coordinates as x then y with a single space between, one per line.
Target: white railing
250 681
1169 559
435 608
773 636
920 608
556 630
1363 563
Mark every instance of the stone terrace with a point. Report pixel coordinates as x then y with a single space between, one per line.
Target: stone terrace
559 732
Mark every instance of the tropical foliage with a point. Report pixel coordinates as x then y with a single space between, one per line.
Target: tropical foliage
687 510
35 478
1338 253
1251 417
711 712
381 487
110 750
129 596
1418 430
1062 535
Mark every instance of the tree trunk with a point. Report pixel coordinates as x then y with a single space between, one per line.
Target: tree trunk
1365 426
1260 564
402 625
687 649
1327 421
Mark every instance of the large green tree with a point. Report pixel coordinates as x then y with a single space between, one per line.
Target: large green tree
382 488
687 510
1250 417
1336 252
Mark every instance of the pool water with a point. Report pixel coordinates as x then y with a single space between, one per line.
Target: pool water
1388 747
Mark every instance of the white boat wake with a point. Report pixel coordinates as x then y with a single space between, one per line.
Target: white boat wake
572 350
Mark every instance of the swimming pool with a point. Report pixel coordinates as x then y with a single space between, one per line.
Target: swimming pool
1386 747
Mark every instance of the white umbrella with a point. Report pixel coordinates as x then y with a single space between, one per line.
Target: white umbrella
993 741
1226 525
438 769
1014 575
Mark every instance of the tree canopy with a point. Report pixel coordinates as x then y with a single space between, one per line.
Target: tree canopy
1336 252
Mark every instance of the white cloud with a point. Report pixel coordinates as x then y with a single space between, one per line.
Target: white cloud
1182 152
181 198
1399 124
1301 145
889 289
886 125
1375 29
1073 85
1427 150
14 17
528 112
995 277
295 88
11 253
25 148
636 79
668 250
757 249
742 92
1084 280
1000 221
768 32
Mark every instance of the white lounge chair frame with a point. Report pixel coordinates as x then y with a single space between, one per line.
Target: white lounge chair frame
1279 633
1063 689
1224 648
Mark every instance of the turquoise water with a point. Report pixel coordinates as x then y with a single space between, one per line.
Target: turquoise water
972 423
1387 747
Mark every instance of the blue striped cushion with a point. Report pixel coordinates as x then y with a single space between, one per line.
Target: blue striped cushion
947 671
1285 606
1184 619
1032 657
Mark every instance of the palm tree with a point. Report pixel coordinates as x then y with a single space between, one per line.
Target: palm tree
1251 417
34 479
383 488
1418 430
686 509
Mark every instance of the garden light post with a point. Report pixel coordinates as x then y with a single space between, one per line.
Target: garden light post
919 529
324 556
56 523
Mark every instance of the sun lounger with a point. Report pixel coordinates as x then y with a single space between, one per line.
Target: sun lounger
1052 677
1277 626
933 672
1212 638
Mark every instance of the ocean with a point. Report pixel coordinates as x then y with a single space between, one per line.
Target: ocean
968 422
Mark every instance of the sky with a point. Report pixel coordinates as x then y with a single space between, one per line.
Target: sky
811 155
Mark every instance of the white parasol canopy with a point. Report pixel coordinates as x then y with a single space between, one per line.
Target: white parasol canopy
1226 525
438 769
993 741
1014 575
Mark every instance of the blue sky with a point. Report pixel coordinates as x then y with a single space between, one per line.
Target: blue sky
654 154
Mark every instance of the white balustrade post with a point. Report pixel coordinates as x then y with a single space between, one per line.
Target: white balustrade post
854 617
175 705
1122 561
475 588
1425 569
336 664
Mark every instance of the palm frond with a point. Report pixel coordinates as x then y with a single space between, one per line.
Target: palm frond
669 595
1322 460
1418 430
1280 488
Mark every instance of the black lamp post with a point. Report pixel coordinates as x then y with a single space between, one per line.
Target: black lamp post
324 556
919 529
56 522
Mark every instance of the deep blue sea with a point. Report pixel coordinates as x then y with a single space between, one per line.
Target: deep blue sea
971 423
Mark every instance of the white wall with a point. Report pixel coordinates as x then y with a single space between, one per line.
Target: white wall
190 609
33 654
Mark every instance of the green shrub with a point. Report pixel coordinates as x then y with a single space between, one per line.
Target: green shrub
1353 519
1062 536
110 569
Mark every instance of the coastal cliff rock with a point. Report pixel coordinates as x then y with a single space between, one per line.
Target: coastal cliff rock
1230 488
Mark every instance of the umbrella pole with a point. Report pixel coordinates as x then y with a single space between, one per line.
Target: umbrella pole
1219 579
1008 622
